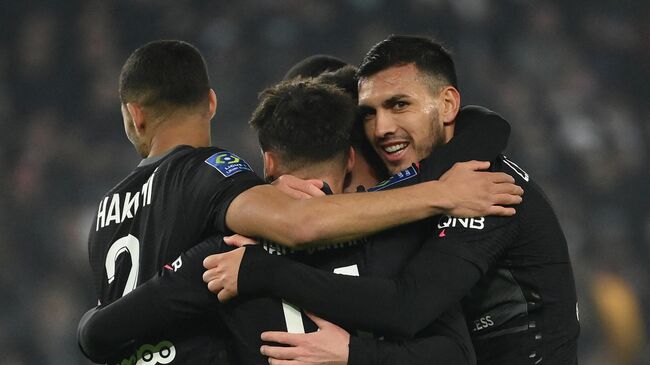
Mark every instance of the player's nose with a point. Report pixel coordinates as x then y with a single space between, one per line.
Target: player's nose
384 125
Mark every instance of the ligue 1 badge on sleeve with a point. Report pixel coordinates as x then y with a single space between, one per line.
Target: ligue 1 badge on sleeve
227 163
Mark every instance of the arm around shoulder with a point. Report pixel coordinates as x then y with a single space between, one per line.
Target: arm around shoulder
263 211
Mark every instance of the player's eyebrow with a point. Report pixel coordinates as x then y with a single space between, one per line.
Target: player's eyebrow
388 103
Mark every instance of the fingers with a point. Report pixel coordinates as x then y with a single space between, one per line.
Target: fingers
501 177
215 286
321 323
238 240
507 199
314 190
299 188
507 188
286 338
296 194
274 361
212 275
280 353
211 262
501 211
476 165
224 295
316 183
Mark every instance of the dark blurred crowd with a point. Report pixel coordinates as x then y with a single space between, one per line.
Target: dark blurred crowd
571 76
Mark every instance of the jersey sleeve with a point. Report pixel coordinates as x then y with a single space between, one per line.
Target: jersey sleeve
419 351
210 182
176 294
431 283
480 134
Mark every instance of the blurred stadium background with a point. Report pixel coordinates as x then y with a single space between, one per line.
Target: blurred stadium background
571 76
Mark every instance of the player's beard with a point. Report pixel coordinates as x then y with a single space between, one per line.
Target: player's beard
437 137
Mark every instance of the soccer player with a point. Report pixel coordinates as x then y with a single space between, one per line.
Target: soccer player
513 272
184 191
304 129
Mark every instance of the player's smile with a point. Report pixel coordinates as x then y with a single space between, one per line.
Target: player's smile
394 151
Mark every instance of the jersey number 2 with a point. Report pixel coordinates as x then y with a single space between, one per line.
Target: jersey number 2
129 245
292 315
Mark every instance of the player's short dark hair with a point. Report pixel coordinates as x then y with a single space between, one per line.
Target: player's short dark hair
346 79
304 121
165 72
313 66
429 56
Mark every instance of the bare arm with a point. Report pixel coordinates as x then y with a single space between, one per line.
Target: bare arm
463 191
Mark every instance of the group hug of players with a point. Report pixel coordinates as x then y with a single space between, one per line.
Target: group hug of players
429 259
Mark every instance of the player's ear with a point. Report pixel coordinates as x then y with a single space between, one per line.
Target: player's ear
212 102
270 165
351 159
137 115
450 105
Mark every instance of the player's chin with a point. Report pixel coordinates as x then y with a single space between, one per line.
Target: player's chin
395 166
398 161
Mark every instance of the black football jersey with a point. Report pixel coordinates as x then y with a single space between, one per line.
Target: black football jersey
525 304
162 208
522 303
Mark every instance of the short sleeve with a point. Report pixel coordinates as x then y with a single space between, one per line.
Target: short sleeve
210 182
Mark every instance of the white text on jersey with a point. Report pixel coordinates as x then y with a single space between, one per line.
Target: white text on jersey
121 208
473 223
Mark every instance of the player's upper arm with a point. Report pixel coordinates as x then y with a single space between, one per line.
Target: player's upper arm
264 211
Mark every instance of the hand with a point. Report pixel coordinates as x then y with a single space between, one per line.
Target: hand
222 273
475 193
238 240
299 188
327 346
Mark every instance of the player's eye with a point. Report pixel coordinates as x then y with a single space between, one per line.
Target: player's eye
400 104
367 117
366 114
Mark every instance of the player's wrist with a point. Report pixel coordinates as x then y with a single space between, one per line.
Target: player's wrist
251 279
438 196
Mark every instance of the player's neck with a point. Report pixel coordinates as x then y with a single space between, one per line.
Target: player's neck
334 179
171 133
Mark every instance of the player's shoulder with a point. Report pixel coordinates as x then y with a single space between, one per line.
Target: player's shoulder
215 160
508 165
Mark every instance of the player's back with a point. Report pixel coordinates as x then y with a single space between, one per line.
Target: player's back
246 318
159 210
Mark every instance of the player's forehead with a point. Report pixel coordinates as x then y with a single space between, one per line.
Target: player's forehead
385 84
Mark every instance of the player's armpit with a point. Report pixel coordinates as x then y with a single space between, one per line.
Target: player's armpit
262 211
